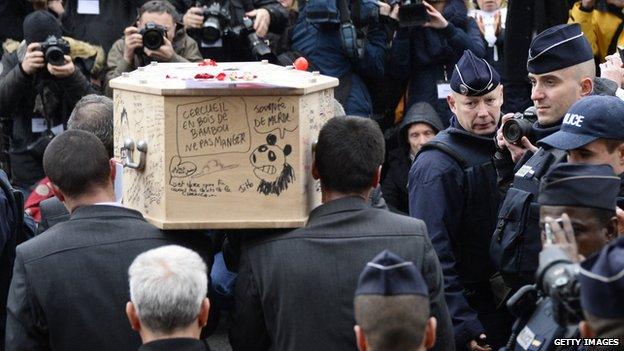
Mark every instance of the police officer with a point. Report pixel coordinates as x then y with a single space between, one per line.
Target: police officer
392 306
602 287
592 132
571 193
452 187
561 70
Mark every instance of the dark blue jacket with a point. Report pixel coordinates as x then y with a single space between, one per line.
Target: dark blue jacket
420 55
438 195
322 46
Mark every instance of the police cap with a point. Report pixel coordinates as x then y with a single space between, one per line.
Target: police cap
558 47
389 274
473 76
580 185
602 282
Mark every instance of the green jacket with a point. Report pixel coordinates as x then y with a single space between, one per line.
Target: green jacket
185 49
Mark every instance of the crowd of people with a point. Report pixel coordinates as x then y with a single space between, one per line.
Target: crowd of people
471 180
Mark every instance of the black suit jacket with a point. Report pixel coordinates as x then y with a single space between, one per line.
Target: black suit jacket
295 289
176 344
52 212
70 284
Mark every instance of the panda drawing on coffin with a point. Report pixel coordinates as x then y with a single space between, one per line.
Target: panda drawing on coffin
271 167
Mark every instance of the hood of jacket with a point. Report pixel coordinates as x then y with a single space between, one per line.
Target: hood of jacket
420 112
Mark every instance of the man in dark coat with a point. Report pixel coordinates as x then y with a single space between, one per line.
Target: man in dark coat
452 188
37 96
70 283
129 52
295 289
320 41
422 59
420 124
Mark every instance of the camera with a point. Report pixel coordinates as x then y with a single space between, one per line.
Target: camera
412 13
54 50
557 278
549 309
153 35
519 125
259 49
216 17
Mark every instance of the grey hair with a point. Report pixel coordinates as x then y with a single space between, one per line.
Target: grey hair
167 287
94 113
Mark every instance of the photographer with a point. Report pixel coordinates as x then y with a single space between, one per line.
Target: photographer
156 37
267 15
577 217
422 58
322 35
38 94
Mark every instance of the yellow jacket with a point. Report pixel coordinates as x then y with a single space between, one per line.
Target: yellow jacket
598 27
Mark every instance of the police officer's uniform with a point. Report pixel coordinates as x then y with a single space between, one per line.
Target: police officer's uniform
602 287
452 187
576 185
516 241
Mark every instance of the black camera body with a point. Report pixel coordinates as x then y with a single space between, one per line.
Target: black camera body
520 125
219 24
153 35
557 278
412 13
551 308
259 49
216 19
54 50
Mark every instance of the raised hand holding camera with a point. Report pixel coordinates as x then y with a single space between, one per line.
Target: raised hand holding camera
62 71
262 20
512 135
164 53
193 18
437 20
388 10
132 41
559 232
33 60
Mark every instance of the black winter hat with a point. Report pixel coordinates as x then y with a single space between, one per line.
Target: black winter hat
39 25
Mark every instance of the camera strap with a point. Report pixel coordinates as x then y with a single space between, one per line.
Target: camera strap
348 31
345 14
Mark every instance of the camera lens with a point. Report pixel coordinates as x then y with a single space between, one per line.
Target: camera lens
512 131
211 30
153 39
55 56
